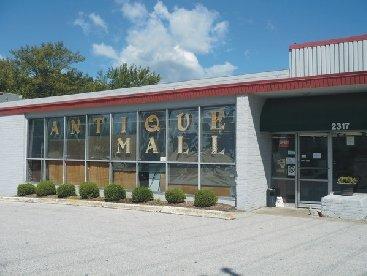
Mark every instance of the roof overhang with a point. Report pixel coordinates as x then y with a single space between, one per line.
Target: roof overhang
272 87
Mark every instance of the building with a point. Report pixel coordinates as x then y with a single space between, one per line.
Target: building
293 130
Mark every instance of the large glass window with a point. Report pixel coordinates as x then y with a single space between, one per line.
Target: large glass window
135 149
153 176
218 134
183 135
55 138
219 178
75 137
124 174
183 176
124 136
36 138
153 136
99 137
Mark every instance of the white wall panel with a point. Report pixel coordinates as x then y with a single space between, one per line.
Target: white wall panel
331 58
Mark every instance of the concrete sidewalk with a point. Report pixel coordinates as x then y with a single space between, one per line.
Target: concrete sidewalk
60 239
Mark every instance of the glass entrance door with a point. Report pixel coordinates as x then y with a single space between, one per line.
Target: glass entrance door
313 168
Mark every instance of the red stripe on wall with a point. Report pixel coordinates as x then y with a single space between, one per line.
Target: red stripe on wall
256 87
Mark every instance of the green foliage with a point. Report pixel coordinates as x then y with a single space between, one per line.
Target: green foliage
45 188
142 194
26 189
88 190
114 192
175 195
47 70
131 76
65 190
205 198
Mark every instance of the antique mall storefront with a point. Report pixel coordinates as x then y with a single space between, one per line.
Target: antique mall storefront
316 140
191 147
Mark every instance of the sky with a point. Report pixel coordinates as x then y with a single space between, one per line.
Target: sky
179 39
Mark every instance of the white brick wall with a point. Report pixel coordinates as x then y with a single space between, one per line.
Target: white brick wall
12 153
253 154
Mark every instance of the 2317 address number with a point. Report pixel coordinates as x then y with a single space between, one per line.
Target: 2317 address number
340 126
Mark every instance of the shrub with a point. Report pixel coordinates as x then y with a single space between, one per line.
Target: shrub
88 190
65 190
142 194
205 198
114 192
45 188
175 195
26 189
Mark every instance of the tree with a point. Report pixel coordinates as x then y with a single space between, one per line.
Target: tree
131 76
47 70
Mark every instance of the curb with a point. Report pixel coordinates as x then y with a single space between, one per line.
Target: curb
126 206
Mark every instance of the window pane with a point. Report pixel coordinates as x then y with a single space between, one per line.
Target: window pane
183 176
99 137
218 134
75 173
36 139
124 136
285 189
34 173
152 135
54 171
219 178
183 135
153 176
55 137
283 156
75 135
98 173
124 174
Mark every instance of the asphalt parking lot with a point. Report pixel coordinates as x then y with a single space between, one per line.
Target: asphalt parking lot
57 239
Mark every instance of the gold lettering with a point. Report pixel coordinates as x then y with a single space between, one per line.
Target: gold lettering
215 145
123 145
217 117
151 146
180 123
75 126
123 125
180 145
148 123
98 121
54 128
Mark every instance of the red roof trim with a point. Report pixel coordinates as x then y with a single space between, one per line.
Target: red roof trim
244 88
327 42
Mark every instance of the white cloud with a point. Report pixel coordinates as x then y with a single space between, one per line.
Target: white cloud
104 50
82 23
134 12
98 21
1 57
169 42
85 22
247 53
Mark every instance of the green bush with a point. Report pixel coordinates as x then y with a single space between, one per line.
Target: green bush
175 195
26 189
205 198
88 190
65 190
142 194
45 188
114 192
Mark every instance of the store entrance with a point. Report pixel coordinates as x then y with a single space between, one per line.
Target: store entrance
313 168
